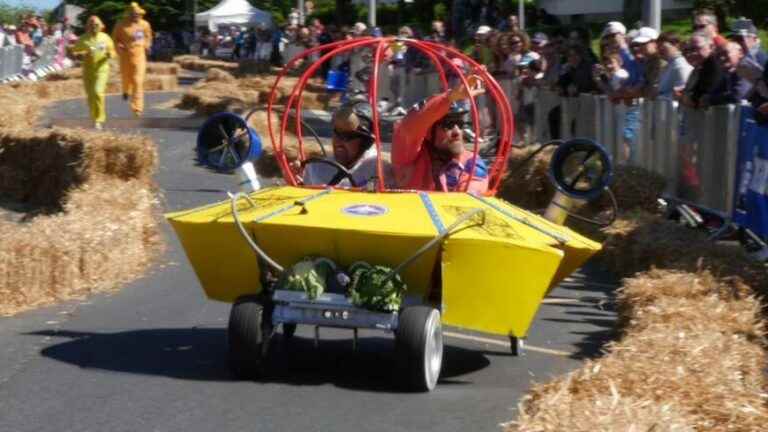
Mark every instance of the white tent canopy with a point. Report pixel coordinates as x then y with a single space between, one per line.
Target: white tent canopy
232 12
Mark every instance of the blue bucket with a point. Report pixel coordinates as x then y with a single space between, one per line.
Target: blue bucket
336 80
225 141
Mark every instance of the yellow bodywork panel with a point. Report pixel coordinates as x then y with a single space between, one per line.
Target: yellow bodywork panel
495 268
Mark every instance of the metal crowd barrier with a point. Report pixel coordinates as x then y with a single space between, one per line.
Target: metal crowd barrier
11 62
13 66
695 150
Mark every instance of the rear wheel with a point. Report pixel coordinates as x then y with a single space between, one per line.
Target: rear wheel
246 337
419 344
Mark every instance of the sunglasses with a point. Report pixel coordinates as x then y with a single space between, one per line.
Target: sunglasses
450 123
699 26
347 135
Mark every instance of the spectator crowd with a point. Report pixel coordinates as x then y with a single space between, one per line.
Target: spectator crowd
34 35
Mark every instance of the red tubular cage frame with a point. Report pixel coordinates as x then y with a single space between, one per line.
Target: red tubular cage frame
439 55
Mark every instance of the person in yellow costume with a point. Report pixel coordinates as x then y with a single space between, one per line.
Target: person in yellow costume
95 48
133 37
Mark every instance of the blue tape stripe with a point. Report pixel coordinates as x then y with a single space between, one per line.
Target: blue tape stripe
522 220
432 212
290 206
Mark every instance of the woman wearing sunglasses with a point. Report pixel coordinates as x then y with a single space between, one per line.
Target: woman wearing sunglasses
428 147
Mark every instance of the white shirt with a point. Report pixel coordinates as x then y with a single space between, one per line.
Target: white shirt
362 171
674 75
618 79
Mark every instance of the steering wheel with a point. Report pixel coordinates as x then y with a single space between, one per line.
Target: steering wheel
341 174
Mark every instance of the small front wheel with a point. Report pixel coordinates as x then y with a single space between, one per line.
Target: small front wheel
246 338
419 345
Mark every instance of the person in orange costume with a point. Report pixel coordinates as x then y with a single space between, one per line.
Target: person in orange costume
133 39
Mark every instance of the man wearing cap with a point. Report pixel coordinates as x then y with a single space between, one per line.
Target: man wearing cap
745 33
353 148
646 53
614 34
428 150
133 40
480 51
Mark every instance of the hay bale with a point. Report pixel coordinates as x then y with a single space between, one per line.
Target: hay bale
196 63
267 165
647 241
65 74
568 412
162 68
100 225
212 97
216 74
25 101
674 340
663 369
528 185
161 83
107 235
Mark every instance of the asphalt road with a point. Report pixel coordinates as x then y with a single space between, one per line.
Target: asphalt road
152 356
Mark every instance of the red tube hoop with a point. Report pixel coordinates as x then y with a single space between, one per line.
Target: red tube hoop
437 54
507 117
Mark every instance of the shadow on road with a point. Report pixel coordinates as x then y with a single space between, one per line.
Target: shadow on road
201 354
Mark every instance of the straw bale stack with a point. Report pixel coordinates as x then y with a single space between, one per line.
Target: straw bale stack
651 241
267 165
216 74
162 68
698 353
98 227
65 74
161 83
196 63
528 186
106 235
221 91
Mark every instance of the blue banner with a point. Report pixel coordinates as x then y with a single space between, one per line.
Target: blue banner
751 206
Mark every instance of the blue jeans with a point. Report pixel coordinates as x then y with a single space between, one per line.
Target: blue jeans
631 126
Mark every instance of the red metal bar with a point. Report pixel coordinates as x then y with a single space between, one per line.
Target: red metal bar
345 46
437 53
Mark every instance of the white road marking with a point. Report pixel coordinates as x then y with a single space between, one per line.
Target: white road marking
506 345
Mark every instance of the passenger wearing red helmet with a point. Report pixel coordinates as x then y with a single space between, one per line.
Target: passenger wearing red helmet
428 146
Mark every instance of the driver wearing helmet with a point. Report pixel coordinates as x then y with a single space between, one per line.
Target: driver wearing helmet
428 147
352 148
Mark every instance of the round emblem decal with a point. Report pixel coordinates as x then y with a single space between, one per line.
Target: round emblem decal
368 210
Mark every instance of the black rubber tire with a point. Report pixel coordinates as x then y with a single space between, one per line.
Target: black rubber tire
288 330
411 345
245 338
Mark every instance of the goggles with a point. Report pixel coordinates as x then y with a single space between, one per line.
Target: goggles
448 124
347 135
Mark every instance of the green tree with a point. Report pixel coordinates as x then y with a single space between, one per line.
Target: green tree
162 14
13 14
